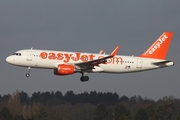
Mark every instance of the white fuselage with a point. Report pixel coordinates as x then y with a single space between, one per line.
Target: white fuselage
47 59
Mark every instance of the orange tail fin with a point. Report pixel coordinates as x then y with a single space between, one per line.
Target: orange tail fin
160 47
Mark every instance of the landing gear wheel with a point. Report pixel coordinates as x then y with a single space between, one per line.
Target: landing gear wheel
84 78
27 74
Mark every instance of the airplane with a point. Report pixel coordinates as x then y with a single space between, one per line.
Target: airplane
67 63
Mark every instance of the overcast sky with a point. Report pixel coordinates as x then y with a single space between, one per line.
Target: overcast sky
89 26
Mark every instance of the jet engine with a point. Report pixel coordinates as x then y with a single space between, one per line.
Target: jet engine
64 69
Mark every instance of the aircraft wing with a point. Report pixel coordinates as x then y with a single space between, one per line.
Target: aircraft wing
96 62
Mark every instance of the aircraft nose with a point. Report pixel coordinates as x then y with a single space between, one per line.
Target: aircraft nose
9 59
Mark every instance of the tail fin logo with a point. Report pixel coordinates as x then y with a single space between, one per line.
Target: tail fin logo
159 48
158 44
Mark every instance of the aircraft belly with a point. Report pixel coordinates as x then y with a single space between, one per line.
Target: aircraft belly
119 68
35 63
45 64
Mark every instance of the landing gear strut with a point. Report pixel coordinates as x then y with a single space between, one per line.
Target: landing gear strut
28 72
84 77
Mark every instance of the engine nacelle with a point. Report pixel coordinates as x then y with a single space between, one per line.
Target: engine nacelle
64 69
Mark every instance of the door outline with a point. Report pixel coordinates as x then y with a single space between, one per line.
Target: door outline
29 55
139 63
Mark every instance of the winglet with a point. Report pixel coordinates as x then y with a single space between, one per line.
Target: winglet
115 51
101 52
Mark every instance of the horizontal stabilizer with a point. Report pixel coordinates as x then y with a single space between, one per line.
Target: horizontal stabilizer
164 63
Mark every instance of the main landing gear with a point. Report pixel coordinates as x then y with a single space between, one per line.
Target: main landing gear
28 72
84 77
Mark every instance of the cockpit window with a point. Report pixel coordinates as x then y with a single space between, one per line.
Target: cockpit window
17 54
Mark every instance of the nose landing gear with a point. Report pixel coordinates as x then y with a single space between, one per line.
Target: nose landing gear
28 72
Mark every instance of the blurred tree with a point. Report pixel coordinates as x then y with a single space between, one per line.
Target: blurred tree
101 112
166 111
141 115
14 105
35 97
42 114
18 117
124 99
151 112
70 97
121 113
5 114
24 98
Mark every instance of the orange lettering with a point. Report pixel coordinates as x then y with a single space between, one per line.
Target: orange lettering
52 56
84 58
91 57
43 55
117 60
113 60
60 56
67 56
77 57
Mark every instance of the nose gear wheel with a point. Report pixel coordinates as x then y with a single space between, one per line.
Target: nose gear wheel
28 72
